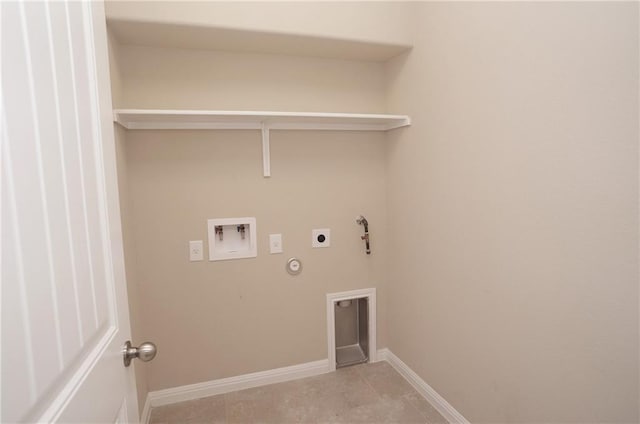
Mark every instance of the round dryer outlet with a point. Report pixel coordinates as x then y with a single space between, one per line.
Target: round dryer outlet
321 237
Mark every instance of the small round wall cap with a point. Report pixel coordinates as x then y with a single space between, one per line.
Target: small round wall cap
294 266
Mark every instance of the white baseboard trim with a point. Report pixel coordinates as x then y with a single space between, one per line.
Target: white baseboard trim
279 375
442 406
231 384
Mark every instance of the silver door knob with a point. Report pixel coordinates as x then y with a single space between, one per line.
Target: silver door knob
145 352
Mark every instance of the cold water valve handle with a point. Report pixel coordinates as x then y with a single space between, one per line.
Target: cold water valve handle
361 220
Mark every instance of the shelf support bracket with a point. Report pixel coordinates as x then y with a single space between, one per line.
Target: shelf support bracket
266 153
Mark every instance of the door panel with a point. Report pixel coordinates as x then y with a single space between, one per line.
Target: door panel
64 313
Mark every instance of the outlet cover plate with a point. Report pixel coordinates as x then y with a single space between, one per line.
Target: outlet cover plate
275 243
196 250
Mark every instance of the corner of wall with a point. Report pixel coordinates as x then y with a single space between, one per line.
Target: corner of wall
129 251
114 68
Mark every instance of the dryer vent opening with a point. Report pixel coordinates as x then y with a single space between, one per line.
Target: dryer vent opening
352 331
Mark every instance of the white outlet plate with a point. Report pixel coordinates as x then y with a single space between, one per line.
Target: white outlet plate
317 237
275 243
196 250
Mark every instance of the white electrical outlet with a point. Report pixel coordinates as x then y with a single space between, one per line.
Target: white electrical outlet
321 237
196 250
275 243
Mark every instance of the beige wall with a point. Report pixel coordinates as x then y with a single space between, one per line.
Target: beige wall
513 286
380 22
162 78
509 279
114 70
127 236
133 291
220 319
249 315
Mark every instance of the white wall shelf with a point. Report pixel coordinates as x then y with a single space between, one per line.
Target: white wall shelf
149 119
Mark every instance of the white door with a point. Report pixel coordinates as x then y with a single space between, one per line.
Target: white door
64 304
